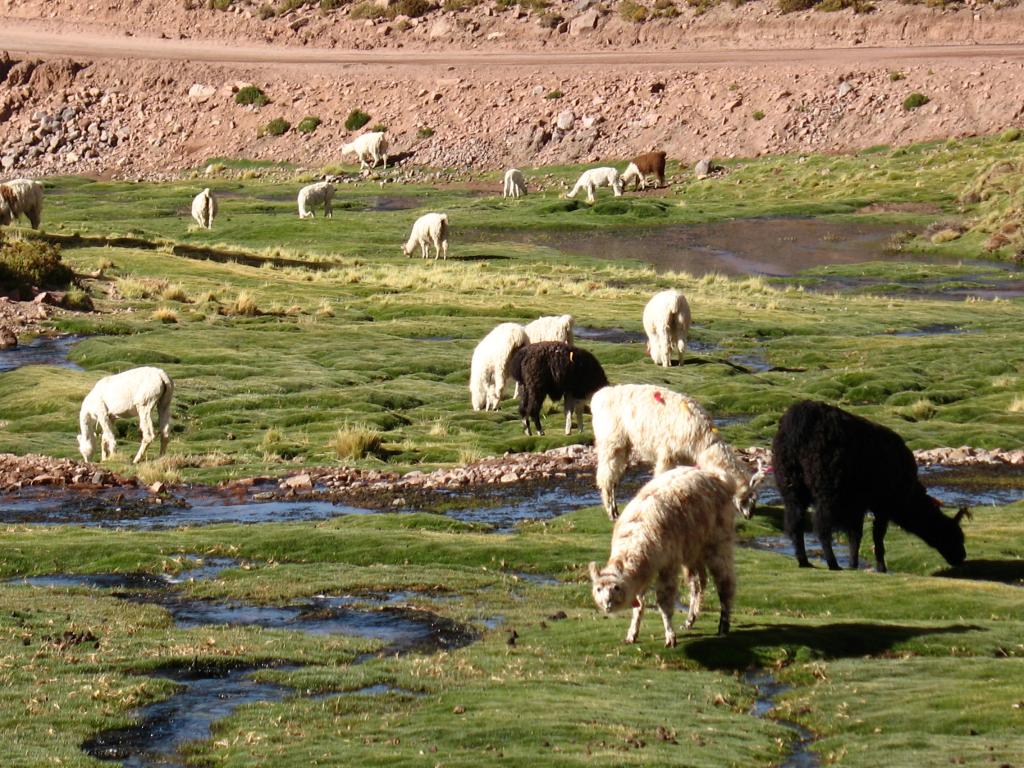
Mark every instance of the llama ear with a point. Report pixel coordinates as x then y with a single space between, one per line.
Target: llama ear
961 514
593 571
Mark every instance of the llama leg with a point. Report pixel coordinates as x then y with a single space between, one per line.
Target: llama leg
146 427
668 588
634 624
855 534
165 429
697 578
524 409
722 571
822 514
611 465
794 524
590 193
570 407
878 528
108 440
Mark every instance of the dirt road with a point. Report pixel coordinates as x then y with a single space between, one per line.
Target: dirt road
23 39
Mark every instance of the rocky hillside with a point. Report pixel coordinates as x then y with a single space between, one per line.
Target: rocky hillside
144 117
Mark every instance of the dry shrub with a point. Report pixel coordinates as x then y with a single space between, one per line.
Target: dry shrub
355 441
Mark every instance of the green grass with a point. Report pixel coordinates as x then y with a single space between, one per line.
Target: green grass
302 343
252 348
862 650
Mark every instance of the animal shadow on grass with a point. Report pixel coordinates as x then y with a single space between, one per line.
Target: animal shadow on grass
744 648
479 257
1005 571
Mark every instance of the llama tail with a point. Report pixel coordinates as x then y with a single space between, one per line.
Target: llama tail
164 411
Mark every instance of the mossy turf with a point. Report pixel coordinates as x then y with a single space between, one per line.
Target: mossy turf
281 332
291 341
911 655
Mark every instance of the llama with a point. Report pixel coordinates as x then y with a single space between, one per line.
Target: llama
515 183
204 208
554 369
139 390
551 328
371 146
643 165
682 518
21 197
312 195
844 465
489 368
598 177
657 426
429 228
667 322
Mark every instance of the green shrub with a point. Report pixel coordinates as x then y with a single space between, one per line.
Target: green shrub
308 124
550 20
1009 135
379 128
758 115
410 8
291 5
251 94
356 119
665 8
555 94
33 263
220 5
276 127
424 132
330 5
895 77
915 100
366 10
792 6
631 10
266 11
458 5
78 300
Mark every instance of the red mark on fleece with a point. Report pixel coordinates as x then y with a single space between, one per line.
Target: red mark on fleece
636 602
659 397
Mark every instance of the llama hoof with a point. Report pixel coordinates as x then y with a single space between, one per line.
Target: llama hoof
805 564
630 640
670 642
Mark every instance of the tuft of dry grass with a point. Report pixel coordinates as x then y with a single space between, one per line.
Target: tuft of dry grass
165 315
1016 405
355 441
244 304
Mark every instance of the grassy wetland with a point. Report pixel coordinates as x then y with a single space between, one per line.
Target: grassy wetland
306 343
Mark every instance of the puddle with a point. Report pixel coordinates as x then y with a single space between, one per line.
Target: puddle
609 335
141 511
535 578
955 487
977 486
753 362
393 203
768 690
164 726
775 248
210 695
936 329
43 350
783 545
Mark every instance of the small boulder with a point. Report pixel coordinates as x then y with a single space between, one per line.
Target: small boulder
585 22
201 93
565 120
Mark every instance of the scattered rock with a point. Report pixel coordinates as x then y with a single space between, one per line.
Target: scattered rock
201 93
585 22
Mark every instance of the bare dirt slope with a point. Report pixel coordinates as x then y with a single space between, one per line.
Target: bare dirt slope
150 89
